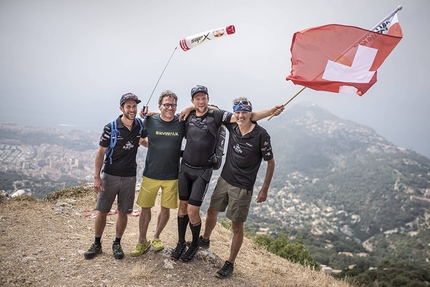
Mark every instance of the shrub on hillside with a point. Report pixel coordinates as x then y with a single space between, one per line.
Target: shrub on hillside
293 251
75 191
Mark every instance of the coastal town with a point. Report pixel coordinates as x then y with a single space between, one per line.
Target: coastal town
52 165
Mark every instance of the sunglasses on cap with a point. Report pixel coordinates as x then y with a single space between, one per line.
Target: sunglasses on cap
242 102
243 105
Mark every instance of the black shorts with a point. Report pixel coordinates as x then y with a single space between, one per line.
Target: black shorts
193 184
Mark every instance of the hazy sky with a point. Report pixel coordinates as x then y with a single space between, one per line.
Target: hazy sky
68 62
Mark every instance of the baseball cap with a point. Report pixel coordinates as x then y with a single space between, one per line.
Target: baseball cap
128 97
199 88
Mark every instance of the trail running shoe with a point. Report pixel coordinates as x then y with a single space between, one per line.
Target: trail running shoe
189 255
157 244
180 248
140 248
204 243
96 248
117 250
225 271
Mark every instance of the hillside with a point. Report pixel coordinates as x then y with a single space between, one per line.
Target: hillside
42 244
336 178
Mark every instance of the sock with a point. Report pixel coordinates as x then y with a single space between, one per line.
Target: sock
195 231
97 239
117 240
182 226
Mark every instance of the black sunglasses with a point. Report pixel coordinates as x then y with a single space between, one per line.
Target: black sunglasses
170 106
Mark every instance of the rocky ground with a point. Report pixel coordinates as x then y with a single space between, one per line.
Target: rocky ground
42 244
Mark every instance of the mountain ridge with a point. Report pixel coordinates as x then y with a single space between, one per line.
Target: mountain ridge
369 185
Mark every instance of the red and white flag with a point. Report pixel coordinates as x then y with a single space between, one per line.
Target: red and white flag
342 59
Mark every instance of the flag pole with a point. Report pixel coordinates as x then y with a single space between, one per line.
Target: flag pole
292 98
174 50
400 7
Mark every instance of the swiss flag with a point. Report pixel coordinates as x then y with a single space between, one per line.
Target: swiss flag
342 59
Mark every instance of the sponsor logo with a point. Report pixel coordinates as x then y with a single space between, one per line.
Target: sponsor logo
237 148
129 145
175 134
218 33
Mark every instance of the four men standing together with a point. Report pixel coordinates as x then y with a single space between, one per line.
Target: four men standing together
162 134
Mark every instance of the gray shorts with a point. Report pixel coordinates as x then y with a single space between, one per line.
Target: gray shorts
237 199
123 187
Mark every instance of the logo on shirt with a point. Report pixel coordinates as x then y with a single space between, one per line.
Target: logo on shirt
129 145
169 134
237 148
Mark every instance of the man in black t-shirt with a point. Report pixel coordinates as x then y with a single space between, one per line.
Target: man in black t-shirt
163 135
248 144
196 168
118 177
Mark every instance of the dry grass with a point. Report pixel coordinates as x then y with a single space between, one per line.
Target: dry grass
42 243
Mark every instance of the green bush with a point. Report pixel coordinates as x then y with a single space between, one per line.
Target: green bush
293 251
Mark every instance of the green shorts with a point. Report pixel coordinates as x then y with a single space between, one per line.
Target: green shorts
237 199
149 190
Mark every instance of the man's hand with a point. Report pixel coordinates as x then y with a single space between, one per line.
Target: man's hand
277 110
262 195
98 184
144 112
184 113
147 113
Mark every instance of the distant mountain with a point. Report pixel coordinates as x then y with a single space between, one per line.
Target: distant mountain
334 176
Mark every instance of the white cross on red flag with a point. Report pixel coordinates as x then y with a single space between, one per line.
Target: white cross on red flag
342 59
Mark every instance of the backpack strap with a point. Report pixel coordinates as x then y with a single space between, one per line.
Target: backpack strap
210 119
139 120
188 120
113 137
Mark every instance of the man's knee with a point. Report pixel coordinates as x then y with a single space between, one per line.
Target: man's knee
193 213
102 214
165 210
237 227
122 215
146 210
212 212
183 205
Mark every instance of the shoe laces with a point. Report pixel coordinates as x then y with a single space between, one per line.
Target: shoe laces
227 266
117 247
180 248
192 250
94 246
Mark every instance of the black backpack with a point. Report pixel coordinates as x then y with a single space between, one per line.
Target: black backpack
219 134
